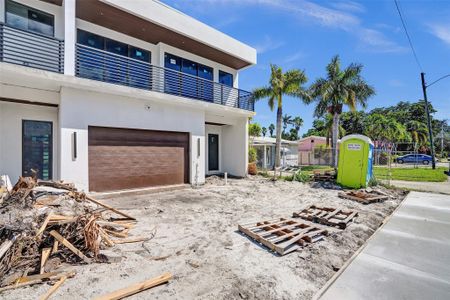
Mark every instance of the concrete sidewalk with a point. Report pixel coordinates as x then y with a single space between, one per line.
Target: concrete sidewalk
408 258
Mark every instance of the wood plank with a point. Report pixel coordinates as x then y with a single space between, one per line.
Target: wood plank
53 288
136 288
43 226
55 246
54 276
110 208
71 247
131 240
44 256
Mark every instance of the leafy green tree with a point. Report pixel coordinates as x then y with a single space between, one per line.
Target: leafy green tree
385 129
289 83
264 131
271 129
254 130
341 87
353 122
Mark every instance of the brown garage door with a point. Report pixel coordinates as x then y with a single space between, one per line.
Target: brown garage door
131 158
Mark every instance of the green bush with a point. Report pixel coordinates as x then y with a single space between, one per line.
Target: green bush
302 177
252 157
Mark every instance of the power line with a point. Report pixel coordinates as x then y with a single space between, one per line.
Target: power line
407 35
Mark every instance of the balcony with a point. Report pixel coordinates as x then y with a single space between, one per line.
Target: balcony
31 49
104 66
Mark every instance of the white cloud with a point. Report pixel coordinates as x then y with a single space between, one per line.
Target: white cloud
267 44
441 31
293 57
349 6
341 16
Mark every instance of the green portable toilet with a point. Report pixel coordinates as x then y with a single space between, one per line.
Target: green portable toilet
355 161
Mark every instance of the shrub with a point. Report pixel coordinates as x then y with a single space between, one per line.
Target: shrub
252 156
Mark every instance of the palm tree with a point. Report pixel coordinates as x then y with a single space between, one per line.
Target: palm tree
340 88
280 84
271 129
329 129
418 132
264 131
297 122
286 121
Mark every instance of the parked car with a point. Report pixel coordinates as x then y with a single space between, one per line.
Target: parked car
414 158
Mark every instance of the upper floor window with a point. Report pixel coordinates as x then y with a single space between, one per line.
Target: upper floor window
187 66
226 78
30 19
99 42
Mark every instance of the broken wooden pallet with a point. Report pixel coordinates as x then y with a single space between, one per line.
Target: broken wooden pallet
362 197
324 175
327 216
284 235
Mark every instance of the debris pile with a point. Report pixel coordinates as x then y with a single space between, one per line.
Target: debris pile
45 226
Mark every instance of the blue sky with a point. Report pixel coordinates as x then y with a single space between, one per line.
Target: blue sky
306 34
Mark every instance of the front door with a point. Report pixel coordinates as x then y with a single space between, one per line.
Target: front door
37 143
213 152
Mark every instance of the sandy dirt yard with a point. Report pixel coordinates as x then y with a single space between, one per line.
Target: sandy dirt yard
197 241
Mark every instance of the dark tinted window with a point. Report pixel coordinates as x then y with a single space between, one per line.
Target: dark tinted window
140 54
116 47
189 67
27 18
172 62
205 72
226 78
91 40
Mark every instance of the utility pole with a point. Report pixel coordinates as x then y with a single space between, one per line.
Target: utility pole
430 131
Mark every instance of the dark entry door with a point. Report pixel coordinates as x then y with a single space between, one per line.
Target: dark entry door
213 152
37 144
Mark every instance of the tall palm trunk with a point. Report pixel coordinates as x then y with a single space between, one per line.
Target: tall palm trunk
278 140
334 138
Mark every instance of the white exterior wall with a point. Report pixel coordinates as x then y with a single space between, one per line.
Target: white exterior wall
235 147
80 109
11 116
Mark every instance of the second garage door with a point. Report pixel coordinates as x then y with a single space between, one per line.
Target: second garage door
131 158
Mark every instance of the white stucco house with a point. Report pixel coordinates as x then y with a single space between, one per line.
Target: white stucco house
119 94
265 151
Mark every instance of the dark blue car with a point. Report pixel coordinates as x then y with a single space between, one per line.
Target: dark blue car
414 158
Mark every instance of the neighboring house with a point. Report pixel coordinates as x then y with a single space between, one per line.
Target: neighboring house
118 94
265 149
312 150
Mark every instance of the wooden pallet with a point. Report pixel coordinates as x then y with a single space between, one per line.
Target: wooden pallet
284 235
327 216
324 176
362 197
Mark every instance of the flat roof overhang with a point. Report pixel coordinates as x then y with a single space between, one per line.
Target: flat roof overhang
155 22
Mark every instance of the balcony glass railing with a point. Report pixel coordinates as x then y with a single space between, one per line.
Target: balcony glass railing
29 49
104 66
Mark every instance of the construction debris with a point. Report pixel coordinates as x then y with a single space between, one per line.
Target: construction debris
284 235
329 216
46 224
363 196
